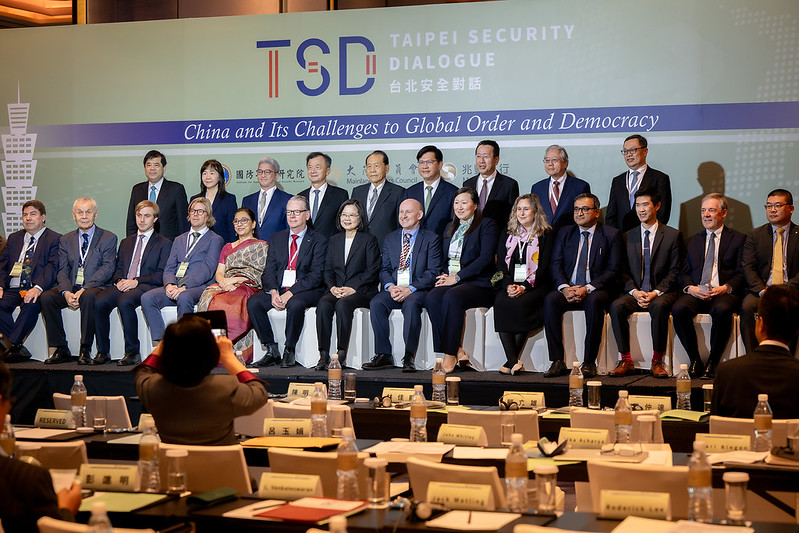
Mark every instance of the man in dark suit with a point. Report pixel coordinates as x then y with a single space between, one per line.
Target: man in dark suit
169 195
412 259
269 203
85 265
770 368
558 191
711 281
496 191
434 193
776 242
586 262
650 274
621 213
292 280
28 267
380 198
323 198
139 267
190 267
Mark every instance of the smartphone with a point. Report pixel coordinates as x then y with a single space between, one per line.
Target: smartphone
218 321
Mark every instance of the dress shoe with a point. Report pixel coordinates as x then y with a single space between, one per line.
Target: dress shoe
61 355
17 354
659 370
324 361
408 363
623 368
288 360
449 363
101 359
129 359
380 360
270 358
85 357
556 369
342 358
588 370
463 360
710 371
696 369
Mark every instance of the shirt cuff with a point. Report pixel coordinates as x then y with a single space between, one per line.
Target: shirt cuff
245 375
412 288
562 286
590 288
153 361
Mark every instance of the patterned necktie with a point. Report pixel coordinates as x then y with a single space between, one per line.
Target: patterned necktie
428 197
406 251
152 193
633 187
582 261
777 277
372 202
646 285
84 247
194 236
293 253
134 265
483 195
261 206
25 275
710 258
553 200
315 210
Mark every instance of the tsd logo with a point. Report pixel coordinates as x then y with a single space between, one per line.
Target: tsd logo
350 48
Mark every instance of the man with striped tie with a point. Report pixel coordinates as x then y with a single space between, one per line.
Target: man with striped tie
380 197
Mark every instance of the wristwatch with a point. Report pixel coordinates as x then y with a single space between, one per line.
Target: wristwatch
457 278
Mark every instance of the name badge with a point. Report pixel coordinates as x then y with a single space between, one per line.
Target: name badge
120 478
462 435
276 486
16 270
619 504
519 273
184 266
403 278
584 438
454 266
468 496
289 278
79 277
287 427
300 390
721 443
53 419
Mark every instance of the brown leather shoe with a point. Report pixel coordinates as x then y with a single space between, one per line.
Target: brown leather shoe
659 370
623 368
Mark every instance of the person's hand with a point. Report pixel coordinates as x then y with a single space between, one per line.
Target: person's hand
124 285
399 294
697 292
225 349
514 291
277 301
32 295
579 294
445 280
70 498
642 298
718 291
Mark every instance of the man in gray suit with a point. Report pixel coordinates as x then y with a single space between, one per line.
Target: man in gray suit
380 198
86 260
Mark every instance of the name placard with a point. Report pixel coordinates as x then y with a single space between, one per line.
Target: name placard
661 403
275 486
120 478
287 427
462 435
525 400
584 438
469 496
720 443
53 419
300 390
620 504
397 394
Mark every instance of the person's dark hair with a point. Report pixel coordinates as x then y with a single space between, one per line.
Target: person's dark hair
381 153
487 142
190 351
154 154
652 193
216 165
36 204
779 311
361 215
784 193
430 148
478 215
328 161
251 215
585 195
5 381
641 139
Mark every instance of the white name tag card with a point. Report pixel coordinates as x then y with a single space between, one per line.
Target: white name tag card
720 443
119 478
467 496
287 427
300 390
397 394
584 438
53 419
462 435
182 269
16 270
289 278
79 277
661 403
275 486
619 504
526 400
403 278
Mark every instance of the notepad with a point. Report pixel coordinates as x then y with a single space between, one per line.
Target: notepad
314 510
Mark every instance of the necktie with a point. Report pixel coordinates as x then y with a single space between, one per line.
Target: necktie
406 251
152 193
710 258
633 187
261 206
483 195
25 275
134 265
315 205
646 285
84 247
293 253
372 202
582 261
776 263
553 200
194 236
428 197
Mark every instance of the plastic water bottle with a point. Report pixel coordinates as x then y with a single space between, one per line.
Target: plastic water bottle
77 399
334 378
337 524
516 475
624 419
319 411
762 418
240 356
684 388
347 467
8 442
700 492
576 386
418 415
99 522
439 382
149 475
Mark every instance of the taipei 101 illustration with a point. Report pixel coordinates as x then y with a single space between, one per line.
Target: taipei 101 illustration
18 165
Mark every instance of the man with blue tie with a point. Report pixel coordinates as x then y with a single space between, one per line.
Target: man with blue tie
496 191
380 197
85 265
269 203
557 192
586 262
324 198
28 267
435 194
169 195
412 259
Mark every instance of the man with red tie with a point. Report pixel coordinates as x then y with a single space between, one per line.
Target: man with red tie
557 192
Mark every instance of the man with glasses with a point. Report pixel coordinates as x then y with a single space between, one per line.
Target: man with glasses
324 198
557 192
292 281
586 263
434 193
269 203
169 195
496 191
770 257
621 213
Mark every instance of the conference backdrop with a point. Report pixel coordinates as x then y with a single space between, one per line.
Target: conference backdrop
713 85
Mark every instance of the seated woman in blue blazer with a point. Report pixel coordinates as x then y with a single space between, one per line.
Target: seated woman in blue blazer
351 272
223 203
470 243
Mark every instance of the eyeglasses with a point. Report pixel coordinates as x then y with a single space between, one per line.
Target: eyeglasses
583 210
197 211
350 215
266 172
552 160
631 150
295 212
770 207
427 162
238 221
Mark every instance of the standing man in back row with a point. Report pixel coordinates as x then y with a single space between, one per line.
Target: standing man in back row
269 203
323 198
435 194
381 198
496 191
557 192
169 195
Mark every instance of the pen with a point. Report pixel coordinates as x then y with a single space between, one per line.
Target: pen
469 520
266 507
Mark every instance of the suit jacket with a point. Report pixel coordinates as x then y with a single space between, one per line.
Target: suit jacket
620 216
564 214
730 248
223 209
26 494
543 275
384 218
172 204
152 263
275 217
500 200
362 267
310 262
758 249
426 259
439 213
328 208
44 263
477 254
665 255
98 266
604 261
203 260
767 369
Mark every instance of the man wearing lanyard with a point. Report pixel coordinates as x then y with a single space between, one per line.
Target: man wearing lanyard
86 258
292 281
189 269
28 266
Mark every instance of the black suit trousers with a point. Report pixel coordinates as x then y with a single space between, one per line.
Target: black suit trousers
17 330
52 304
343 309
720 308
659 309
259 304
594 304
446 306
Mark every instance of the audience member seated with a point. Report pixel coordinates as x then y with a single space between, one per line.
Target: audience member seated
223 203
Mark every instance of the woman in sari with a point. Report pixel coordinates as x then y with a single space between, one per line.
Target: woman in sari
238 277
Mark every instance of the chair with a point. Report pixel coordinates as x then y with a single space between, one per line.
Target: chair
338 416
70 454
526 423
746 426
47 524
252 425
590 418
323 464
422 472
640 343
116 409
210 467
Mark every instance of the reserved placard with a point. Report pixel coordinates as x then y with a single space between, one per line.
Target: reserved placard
661 403
276 486
300 390
620 504
462 435
525 400
720 443
53 419
287 427
470 496
584 438
119 478
398 394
